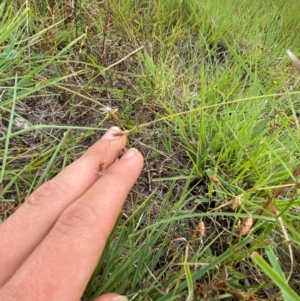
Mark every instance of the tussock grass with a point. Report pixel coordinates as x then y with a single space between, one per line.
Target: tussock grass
207 93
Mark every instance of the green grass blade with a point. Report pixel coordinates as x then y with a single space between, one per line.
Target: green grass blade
52 159
210 266
276 278
189 281
8 134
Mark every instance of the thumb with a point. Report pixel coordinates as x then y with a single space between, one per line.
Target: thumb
111 297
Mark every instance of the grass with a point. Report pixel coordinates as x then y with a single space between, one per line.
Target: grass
207 93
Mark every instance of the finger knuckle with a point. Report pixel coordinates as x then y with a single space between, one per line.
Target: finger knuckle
46 193
77 216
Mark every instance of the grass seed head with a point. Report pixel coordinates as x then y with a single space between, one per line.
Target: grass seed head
113 116
201 229
236 202
120 134
216 180
246 226
123 151
101 166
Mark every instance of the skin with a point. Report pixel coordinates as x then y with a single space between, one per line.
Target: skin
52 243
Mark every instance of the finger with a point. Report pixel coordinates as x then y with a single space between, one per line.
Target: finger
111 297
25 229
72 248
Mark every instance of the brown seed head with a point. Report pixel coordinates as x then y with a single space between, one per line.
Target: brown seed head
113 116
201 229
236 202
216 180
119 134
246 227
101 166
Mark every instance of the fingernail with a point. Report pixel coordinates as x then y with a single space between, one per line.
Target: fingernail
119 298
130 153
110 134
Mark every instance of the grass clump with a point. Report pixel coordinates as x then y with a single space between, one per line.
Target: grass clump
207 93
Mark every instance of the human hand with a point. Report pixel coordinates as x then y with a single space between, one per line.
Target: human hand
50 246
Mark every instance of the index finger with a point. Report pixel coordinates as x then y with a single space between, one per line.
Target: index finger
25 229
